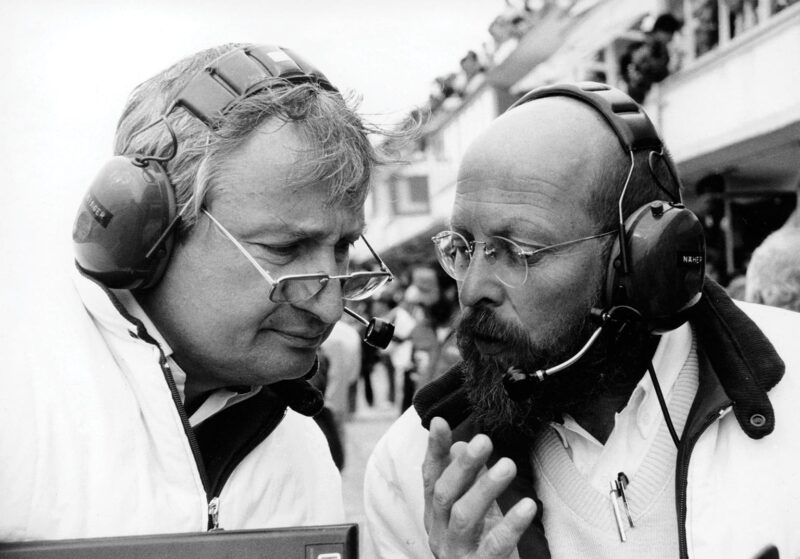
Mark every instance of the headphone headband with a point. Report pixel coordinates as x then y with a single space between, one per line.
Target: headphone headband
657 263
630 123
237 74
123 233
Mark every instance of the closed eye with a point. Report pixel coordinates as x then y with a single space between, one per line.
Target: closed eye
277 254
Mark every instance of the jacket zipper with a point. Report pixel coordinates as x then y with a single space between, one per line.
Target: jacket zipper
213 500
142 334
682 479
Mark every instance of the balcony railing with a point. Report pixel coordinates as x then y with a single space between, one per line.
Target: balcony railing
715 23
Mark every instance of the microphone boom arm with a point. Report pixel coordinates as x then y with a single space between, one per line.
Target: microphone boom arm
542 373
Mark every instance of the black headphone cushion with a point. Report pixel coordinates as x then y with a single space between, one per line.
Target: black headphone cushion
666 250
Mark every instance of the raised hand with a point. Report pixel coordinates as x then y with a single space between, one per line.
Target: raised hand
460 496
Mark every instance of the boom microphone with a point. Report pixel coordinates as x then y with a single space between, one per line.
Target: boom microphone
520 384
378 333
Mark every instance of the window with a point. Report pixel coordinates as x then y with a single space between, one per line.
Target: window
409 195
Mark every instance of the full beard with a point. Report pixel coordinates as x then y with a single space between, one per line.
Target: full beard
610 365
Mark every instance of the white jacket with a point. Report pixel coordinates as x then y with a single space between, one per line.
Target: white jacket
93 439
742 494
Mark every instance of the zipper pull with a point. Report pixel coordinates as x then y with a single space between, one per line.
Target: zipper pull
213 515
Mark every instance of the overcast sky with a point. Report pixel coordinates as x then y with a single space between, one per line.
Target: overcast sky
68 66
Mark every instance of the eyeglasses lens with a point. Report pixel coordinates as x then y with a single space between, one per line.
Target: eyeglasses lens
455 253
452 251
354 288
511 266
293 290
360 286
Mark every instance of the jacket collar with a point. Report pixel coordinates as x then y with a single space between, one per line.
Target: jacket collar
738 364
104 306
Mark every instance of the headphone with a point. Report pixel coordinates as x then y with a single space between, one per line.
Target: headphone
124 230
657 263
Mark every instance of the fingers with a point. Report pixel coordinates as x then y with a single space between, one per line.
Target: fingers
459 492
468 512
439 440
467 461
503 538
462 499
436 460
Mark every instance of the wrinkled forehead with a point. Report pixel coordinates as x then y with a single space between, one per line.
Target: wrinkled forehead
259 188
540 161
557 140
547 143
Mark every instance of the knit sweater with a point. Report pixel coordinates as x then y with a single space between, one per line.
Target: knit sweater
579 520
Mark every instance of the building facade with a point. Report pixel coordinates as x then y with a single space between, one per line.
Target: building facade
716 76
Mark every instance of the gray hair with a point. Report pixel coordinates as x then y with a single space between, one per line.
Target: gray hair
773 275
339 153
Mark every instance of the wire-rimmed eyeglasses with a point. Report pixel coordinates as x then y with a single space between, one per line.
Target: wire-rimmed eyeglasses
301 287
509 260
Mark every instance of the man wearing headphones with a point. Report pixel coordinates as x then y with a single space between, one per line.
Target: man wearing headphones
609 403
212 262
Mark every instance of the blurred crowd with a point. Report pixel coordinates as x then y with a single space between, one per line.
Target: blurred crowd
422 303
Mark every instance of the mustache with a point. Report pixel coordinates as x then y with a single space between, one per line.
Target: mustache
482 322
493 410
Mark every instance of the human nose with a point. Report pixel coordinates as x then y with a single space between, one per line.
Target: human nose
327 304
480 285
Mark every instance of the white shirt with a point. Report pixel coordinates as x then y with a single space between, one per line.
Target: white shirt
635 426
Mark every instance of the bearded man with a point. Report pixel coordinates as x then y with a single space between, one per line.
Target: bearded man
609 403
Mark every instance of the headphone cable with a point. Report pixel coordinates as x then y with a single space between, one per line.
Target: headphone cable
662 403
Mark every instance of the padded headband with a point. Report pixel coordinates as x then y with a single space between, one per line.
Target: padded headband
630 123
240 73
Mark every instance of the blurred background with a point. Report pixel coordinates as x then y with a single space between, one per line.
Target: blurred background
69 67
719 78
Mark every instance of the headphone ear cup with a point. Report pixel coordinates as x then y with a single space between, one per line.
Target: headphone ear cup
124 214
666 251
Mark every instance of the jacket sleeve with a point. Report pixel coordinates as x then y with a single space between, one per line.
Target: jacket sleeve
393 492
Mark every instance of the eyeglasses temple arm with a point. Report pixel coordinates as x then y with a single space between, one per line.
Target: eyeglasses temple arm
567 243
246 254
375 254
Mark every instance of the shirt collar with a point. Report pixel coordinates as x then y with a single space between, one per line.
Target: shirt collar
217 401
135 310
668 360
130 303
671 354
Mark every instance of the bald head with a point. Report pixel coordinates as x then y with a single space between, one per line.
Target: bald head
557 145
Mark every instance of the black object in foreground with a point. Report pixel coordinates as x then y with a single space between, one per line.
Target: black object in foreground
338 541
